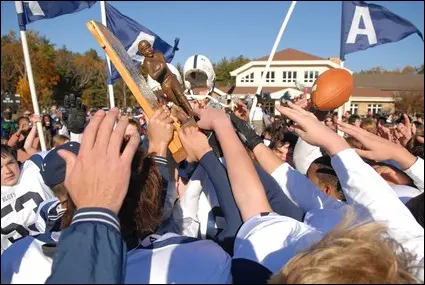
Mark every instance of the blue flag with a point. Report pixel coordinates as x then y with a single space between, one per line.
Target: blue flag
130 33
39 10
368 25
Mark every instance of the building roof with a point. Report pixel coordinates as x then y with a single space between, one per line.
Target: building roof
357 92
389 81
371 92
291 54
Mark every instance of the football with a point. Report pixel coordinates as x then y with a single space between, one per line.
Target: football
332 89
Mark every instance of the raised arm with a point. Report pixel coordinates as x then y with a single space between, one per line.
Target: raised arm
296 186
246 186
363 187
29 142
198 149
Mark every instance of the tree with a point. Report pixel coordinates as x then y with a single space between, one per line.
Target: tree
14 76
66 69
380 70
225 66
90 79
409 101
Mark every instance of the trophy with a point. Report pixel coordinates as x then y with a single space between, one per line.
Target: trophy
154 65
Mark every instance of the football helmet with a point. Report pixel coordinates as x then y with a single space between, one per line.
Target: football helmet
198 71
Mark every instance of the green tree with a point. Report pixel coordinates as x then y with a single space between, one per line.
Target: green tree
225 66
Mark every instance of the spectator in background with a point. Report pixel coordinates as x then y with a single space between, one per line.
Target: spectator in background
329 123
420 118
283 144
355 120
369 126
53 112
8 125
17 140
27 114
49 130
347 116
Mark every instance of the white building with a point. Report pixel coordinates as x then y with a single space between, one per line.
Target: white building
290 66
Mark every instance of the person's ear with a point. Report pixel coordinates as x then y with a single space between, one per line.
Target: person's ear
328 190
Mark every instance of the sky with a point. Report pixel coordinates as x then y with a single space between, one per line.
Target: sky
220 29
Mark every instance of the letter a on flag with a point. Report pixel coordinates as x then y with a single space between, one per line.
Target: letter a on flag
368 25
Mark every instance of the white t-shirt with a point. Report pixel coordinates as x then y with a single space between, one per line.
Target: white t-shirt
19 204
169 258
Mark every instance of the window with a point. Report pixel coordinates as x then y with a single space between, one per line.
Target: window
310 76
354 108
374 108
289 76
248 78
269 76
268 107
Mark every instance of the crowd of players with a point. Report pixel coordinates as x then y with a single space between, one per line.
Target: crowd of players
294 202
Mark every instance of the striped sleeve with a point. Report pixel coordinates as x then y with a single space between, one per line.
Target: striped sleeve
90 250
100 215
161 161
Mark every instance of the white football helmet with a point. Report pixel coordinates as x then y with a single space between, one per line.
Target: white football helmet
198 71
155 86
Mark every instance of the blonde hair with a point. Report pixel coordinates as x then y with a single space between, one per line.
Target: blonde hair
59 140
361 254
369 126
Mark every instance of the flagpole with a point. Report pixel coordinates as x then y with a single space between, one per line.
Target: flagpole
108 62
341 63
276 44
20 10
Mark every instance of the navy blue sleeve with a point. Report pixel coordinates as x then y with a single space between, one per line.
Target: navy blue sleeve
162 164
90 250
220 180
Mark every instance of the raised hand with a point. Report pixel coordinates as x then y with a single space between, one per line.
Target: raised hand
99 176
35 119
312 131
241 111
405 130
378 149
210 118
194 142
74 115
160 131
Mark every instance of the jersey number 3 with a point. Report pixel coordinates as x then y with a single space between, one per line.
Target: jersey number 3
19 206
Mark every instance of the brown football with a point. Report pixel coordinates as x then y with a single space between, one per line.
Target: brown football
332 89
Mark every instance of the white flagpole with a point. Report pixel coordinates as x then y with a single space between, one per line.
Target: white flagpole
20 9
266 70
341 65
109 71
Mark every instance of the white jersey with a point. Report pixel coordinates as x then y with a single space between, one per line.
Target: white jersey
272 240
19 204
49 216
158 259
197 213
